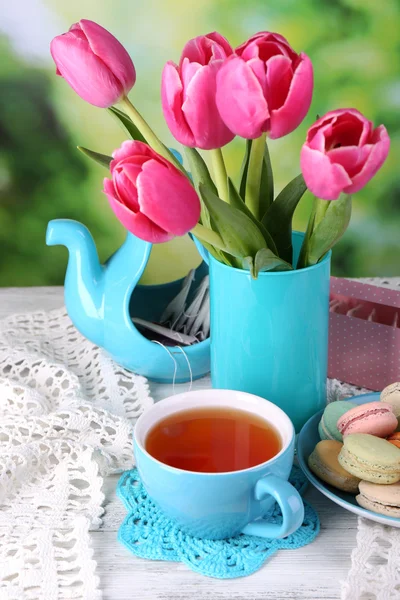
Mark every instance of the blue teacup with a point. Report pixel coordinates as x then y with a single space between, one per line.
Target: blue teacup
222 505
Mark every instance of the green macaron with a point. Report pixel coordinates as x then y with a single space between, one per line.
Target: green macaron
327 426
370 458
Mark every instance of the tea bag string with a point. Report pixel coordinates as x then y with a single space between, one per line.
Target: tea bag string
189 367
176 364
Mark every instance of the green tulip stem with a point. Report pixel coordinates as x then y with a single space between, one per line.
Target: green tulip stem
220 174
208 235
149 135
254 171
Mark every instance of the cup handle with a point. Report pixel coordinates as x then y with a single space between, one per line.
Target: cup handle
289 501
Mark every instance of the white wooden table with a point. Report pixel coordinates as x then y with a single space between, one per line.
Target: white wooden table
312 572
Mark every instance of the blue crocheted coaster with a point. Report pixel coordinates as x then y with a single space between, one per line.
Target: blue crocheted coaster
148 533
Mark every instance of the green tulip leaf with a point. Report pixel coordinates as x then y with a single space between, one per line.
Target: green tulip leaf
236 200
266 183
302 260
268 261
101 159
127 125
265 260
201 175
218 254
278 217
329 231
199 169
244 169
240 235
248 265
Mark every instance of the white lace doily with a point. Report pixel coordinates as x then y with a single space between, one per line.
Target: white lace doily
66 419
375 564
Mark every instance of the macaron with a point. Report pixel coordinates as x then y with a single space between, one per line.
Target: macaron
323 461
370 458
375 418
391 395
327 426
394 439
383 499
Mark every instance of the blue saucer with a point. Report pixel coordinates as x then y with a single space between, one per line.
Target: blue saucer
308 439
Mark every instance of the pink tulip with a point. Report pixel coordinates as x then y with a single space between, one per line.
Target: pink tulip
264 87
342 153
151 197
188 93
93 63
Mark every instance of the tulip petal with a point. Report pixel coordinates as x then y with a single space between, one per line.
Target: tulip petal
316 136
376 158
240 99
367 131
108 187
252 47
124 186
76 31
290 115
172 99
131 149
279 76
348 130
204 48
188 71
136 223
221 41
324 179
201 112
167 198
352 158
334 115
259 69
84 71
111 52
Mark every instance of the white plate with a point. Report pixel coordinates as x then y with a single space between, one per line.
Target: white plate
308 439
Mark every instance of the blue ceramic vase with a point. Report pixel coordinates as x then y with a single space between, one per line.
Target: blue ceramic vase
102 299
269 336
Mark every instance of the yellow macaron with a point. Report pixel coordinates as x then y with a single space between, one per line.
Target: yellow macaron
323 461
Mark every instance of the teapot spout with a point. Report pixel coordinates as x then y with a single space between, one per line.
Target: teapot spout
84 285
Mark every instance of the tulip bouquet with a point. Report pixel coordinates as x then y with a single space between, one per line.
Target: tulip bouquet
262 89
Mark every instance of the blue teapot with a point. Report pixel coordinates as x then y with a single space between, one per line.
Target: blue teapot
102 299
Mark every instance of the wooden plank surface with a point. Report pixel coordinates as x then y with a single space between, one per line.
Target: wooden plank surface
310 573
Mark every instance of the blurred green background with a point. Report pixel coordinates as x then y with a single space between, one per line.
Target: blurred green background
355 49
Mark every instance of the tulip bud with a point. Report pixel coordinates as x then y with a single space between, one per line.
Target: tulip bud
264 87
342 153
151 197
188 93
94 63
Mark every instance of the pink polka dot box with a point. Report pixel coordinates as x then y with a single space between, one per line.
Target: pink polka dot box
364 334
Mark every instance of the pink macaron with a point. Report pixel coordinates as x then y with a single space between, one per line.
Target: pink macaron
375 418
